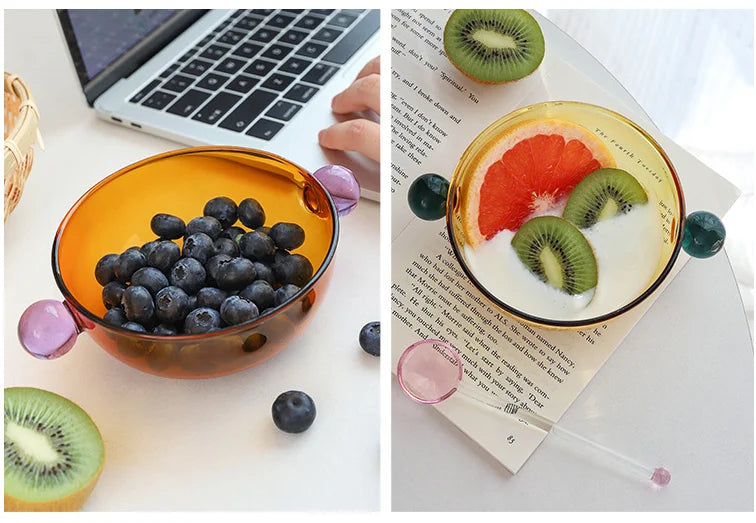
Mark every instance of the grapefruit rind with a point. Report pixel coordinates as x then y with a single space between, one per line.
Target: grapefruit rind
495 149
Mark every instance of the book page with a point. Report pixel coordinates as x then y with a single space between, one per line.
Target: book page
543 370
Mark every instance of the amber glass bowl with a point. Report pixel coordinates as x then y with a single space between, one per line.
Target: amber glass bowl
633 149
115 215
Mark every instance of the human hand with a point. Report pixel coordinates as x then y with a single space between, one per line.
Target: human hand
360 134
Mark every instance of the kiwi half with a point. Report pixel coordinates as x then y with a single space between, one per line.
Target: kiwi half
494 45
602 194
558 253
53 452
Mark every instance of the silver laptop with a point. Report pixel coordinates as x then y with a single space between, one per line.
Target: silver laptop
259 78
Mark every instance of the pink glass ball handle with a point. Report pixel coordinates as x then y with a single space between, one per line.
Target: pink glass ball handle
47 329
341 185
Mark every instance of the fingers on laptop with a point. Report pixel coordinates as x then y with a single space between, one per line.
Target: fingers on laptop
372 67
364 93
360 135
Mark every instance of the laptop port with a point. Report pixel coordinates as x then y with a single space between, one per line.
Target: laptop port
136 125
116 119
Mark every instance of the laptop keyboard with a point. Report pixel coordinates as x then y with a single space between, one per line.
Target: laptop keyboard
257 68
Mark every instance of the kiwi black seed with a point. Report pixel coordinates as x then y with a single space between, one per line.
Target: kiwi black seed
602 194
558 253
494 45
53 452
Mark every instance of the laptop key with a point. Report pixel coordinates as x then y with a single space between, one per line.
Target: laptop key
343 20
324 12
278 82
205 41
230 65
311 50
212 81
248 110
231 37
196 67
247 50
327 34
242 83
264 35
295 65
248 23
215 52
280 21
262 12
354 39
265 129
158 100
320 74
283 110
213 110
145 91
309 22
178 83
277 52
301 93
188 103
168 72
293 37
186 56
260 67
293 11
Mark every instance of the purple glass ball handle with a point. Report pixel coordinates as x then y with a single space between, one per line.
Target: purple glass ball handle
47 329
341 185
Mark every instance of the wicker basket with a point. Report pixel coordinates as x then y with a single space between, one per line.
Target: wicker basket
21 118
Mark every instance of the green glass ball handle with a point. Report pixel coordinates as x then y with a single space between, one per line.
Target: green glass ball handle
703 234
427 196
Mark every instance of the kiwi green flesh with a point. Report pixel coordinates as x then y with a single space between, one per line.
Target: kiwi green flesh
52 447
494 45
558 253
601 195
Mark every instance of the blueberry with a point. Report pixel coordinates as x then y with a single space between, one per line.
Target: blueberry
189 274
232 232
104 269
115 316
164 255
212 266
167 226
199 246
171 305
225 246
260 292
256 245
164 330
133 326
264 272
151 278
146 249
284 294
211 297
222 209
192 302
370 338
287 236
137 304
235 274
202 320
112 294
206 224
251 213
128 263
294 269
236 310
293 411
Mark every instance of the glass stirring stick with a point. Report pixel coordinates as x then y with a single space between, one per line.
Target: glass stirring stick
430 371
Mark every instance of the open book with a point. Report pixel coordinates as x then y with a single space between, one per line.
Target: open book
436 112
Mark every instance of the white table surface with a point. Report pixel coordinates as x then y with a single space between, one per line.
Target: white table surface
190 444
677 392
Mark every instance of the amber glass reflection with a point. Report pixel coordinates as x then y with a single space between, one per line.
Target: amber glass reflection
115 215
633 149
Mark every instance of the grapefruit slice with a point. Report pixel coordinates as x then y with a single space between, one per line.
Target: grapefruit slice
528 168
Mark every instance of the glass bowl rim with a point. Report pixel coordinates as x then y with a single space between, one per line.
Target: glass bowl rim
531 318
236 329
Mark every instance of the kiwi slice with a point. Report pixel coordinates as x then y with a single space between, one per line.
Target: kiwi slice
558 253
602 194
53 452
494 45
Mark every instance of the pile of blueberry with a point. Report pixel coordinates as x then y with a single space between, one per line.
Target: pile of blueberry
223 274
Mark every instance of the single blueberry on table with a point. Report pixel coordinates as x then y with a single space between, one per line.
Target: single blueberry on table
205 224
251 213
259 292
225 246
171 305
167 226
235 310
112 294
128 263
211 297
104 269
202 320
146 249
189 274
287 236
264 272
199 246
134 326
164 330
222 209
294 269
164 255
256 246
370 338
232 232
235 274
293 411
212 266
115 316
138 304
284 294
151 278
